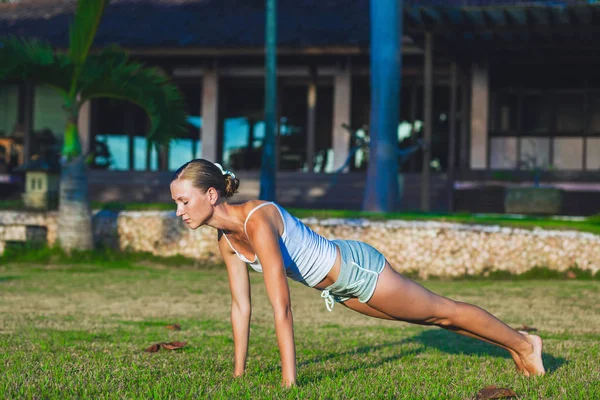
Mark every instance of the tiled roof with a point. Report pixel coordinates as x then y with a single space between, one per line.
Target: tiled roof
218 23
493 3
197 23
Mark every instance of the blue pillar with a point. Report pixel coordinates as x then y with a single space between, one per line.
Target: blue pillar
381 189
268 168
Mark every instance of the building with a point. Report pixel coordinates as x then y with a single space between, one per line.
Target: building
509 90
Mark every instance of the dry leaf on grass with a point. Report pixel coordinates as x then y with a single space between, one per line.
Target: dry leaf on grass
173 345
526 328
153 349
168 346
174 327
494 392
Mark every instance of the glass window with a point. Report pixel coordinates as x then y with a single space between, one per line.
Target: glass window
439 133
503 153
153 159
361 102
182 150
292 128
505 112
242 147
242 111
568 154
48 112
323 139
243 126
592 154
9 107
535 153
198 149
140 155
594 112
120 125
537 110
118 146
569 112
360 116
408 131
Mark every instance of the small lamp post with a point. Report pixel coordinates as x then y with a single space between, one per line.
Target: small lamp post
42 177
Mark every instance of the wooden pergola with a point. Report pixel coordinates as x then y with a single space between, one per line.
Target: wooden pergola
467 34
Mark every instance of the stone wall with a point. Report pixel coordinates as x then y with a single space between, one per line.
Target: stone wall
426 248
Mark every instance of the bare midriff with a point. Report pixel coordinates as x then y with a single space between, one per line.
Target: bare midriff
333 273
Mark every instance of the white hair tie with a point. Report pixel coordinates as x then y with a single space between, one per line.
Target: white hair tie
224 171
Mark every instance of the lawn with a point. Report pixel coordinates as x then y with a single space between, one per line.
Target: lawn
79 331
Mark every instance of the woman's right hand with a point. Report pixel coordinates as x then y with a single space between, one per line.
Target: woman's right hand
288 383
237 373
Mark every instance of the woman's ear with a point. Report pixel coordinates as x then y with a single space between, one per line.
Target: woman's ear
213 195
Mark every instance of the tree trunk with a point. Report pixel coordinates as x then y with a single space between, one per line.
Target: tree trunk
381 189
74 217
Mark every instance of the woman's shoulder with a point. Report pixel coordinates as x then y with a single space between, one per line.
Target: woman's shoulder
252 205
260 210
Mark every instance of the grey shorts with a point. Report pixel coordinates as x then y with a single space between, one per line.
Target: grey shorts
361 266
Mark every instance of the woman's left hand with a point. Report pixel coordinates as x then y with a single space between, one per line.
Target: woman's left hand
264 238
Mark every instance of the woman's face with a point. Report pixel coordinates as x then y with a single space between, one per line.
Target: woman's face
194 207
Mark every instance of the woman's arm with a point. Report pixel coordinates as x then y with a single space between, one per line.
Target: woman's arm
239 284
264 237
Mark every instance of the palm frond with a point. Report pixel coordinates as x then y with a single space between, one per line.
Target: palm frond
84 28
111 74
35 61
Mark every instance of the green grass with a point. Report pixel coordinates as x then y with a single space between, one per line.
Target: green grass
103 257
78 331
119 206
106 258
11 205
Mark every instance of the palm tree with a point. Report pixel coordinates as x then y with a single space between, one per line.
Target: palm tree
79 77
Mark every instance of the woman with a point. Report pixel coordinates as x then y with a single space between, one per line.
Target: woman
353 273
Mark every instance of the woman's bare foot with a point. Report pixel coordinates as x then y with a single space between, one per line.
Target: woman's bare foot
531 360
518 362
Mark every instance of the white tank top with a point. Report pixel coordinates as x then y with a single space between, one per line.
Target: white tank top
308 257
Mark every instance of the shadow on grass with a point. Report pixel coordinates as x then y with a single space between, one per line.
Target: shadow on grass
453 343
359 351
442 340
376 361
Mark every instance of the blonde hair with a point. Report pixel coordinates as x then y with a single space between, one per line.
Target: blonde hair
204 175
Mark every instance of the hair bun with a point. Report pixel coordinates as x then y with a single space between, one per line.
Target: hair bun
231 185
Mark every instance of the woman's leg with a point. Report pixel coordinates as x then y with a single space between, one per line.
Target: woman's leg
403 299
366 309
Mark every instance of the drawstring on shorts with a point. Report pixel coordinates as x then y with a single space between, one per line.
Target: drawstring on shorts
329 300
